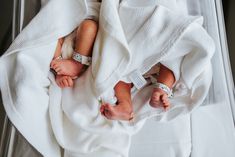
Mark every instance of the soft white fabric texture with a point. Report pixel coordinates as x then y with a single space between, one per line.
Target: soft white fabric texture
132 37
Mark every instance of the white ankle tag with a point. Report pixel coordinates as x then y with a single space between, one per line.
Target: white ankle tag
82 59
137 79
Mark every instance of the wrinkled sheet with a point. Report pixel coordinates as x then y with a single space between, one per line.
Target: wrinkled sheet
122 129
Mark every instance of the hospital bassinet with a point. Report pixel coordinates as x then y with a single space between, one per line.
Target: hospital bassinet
207 132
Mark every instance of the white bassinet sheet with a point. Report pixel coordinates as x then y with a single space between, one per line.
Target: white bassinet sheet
209 131
183 136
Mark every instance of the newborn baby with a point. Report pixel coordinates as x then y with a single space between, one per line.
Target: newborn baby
159 98
68 68
69 65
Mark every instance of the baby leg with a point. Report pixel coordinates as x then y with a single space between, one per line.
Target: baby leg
123 110
159 98
58 48
86 34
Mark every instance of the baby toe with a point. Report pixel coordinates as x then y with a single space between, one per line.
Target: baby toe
108 107
57 69
70 82
65 82
102 109
166 105
60 84
108 114
165 100
54 63
154 103
155 98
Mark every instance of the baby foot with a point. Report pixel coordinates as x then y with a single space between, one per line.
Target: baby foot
64 81
159 99
67 67
120 111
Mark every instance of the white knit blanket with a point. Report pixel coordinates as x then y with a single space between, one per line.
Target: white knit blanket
133 36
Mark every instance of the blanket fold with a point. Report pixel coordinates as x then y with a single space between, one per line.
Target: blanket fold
133 36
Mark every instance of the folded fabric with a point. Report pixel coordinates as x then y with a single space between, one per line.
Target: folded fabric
133 36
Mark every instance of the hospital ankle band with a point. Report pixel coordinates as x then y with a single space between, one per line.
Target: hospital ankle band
164 88
82 59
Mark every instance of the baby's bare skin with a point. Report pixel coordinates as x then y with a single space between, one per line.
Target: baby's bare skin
64 81
68 67
120 111
159 98
123 110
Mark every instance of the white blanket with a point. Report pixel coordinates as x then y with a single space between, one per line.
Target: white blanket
133 36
